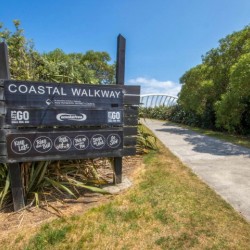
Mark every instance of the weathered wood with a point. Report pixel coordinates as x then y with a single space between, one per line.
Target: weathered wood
117 170
4 62
63 143
16 186
120 78
120 60
88 155
3 159
63 117
1 93
129 131
131 121
131 112
2 136
126 151
2 107
127 89
132 99
2 121
131 89
129 151
129 141
48 95
3 149
14 169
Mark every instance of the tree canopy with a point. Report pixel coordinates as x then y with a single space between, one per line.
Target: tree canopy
56 66
218 90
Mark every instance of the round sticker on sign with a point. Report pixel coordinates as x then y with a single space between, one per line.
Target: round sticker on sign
97 141
114 140
43 144
62 143
81 142
21 145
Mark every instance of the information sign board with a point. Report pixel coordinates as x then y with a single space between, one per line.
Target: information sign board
63 117
53 95
63 143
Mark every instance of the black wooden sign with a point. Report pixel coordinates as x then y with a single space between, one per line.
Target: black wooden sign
62 144
46 121
53 121
63 117
44 95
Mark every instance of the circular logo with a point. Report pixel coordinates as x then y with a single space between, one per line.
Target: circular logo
81 142
113 140
97 141
42 144
21 145
62 143
71 117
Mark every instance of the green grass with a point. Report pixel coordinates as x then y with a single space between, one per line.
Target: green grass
167 208
49 236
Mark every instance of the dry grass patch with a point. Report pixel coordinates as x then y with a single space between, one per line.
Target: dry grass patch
168 208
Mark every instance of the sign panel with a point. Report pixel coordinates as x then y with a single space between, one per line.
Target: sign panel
63 117
63 143
40 94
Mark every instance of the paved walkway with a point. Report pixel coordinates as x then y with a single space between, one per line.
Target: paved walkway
224 166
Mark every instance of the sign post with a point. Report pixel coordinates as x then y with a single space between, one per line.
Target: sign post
42 121
120 79
14 168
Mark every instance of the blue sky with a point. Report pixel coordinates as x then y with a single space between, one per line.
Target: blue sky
165 38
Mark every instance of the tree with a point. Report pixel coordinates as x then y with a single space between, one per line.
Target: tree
55 66
233 110
219 83
20 52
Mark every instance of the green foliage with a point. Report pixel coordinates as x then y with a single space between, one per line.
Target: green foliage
48 180
4 184
216 91
49 236
56 178
55 66
175 114
160 112
146 141
233 108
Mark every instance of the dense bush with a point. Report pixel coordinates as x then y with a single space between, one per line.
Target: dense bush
160 113
217 91
179 115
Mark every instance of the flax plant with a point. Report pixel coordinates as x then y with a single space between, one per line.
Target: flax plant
46 180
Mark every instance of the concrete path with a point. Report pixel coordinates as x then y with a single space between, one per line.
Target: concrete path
224 166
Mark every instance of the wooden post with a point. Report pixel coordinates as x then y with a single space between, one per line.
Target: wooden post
120 60
120 77
14 168
4 62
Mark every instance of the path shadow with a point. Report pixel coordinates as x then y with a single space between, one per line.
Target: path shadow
206 144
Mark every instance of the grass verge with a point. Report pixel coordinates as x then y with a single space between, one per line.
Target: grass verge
167 208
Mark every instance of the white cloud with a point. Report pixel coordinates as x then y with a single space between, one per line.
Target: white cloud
154 86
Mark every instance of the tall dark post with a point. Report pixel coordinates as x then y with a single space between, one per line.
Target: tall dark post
120 77
14 168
